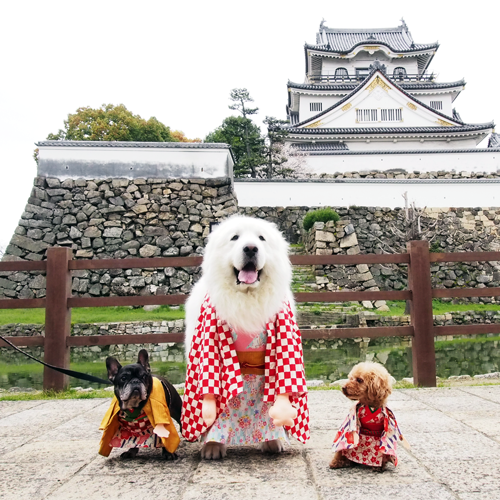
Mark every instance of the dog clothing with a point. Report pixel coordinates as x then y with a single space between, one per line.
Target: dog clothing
245 420
214 368
134 429
367 434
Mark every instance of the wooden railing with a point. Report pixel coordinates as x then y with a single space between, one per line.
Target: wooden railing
353 78
59 302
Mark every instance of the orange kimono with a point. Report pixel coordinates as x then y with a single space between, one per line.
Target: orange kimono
157 412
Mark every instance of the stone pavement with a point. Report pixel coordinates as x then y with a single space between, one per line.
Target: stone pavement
49 451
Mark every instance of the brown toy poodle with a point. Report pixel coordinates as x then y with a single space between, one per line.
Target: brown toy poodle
370 433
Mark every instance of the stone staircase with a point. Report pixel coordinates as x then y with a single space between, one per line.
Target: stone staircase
304 279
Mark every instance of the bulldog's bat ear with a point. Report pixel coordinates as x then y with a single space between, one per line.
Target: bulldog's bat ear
113 367
143 359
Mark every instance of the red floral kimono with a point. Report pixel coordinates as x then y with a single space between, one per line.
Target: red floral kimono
367 434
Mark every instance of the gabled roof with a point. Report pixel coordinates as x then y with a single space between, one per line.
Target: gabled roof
343 41
362 85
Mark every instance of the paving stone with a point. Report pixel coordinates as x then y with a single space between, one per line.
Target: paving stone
275 490
55 445
116 487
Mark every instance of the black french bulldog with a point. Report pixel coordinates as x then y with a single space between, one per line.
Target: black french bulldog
133 385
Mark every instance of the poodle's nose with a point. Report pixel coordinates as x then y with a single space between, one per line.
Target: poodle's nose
250 250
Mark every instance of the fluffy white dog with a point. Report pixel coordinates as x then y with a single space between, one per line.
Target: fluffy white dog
247 274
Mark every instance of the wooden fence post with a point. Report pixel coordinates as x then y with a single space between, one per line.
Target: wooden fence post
57 317
419 282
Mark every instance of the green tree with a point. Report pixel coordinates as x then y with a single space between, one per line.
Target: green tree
112 123
241 98
245 140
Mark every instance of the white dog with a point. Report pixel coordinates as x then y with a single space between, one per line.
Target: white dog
246 273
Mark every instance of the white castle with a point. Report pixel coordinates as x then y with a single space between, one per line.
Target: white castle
368 102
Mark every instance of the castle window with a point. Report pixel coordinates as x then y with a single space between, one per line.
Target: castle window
437 104
391 115
341 73
399 73
367 115
315 106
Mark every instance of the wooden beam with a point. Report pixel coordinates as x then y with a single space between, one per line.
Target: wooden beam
22 303
465 257
143 338
474 329
57 318
466 292
419 281
24 341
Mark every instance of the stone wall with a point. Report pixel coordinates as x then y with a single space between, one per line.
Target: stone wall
120 218
372 230
399 173
117 218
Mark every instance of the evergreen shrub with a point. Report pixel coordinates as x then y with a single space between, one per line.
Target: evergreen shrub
321 215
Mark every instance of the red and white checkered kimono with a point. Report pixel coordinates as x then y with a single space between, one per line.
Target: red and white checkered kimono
213 368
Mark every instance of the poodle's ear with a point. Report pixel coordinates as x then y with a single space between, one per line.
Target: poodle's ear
378 389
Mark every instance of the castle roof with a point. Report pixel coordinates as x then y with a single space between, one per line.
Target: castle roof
342 40
408 86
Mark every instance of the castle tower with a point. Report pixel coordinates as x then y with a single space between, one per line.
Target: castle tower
368 91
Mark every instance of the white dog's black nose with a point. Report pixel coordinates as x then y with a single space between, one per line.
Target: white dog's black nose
250 251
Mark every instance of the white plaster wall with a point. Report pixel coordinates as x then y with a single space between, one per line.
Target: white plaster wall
305 100
133 162
310 194
446 98
410 144
429 162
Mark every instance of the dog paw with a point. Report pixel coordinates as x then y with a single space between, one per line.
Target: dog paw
273 446
213 451
339 461
131 453
167 455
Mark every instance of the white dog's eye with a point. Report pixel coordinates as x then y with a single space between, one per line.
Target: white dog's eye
359 380
261 238
235 237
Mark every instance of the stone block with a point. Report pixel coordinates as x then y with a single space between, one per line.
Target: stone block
113 232
353 250
85 253
92 232
324 251
348 241
26 243
324 236
148 251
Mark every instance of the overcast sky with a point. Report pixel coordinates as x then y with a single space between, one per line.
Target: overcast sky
179 60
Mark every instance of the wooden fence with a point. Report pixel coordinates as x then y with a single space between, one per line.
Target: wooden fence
59 302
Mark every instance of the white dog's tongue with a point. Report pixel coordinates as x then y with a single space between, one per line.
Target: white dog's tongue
248 277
